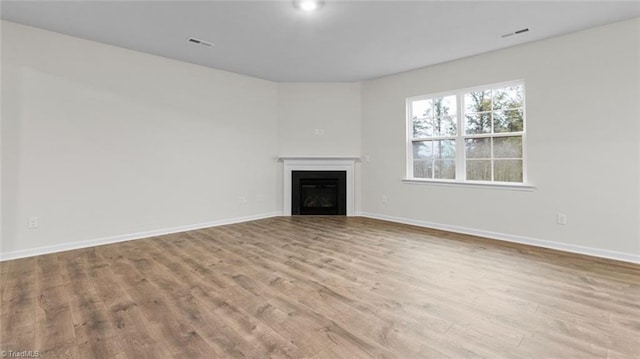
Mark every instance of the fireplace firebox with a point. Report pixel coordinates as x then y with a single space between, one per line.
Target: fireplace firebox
318 193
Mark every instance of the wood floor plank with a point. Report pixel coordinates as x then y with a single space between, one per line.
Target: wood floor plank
320 287
17 321
154 303
94 332
320 291
53 327
123 312
250 337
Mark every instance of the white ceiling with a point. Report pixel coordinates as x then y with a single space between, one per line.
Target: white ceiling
345 41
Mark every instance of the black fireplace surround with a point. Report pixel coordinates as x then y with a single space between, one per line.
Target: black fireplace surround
319 193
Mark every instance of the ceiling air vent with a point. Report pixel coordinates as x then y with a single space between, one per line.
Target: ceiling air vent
514 33
199 42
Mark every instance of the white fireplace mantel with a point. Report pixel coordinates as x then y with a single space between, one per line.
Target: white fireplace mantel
302 163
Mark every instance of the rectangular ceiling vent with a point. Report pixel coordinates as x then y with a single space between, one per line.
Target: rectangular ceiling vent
199 42
514 33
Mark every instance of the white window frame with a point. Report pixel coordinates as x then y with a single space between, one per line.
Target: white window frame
460 159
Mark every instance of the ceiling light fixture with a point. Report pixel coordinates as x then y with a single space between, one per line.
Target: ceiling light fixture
308 5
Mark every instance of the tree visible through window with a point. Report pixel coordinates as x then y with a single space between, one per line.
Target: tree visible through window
468 135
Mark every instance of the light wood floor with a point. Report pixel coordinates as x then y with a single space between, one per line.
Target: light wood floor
320 287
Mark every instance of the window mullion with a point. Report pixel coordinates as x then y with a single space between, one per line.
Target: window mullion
492 159
493 132
460 158
409 145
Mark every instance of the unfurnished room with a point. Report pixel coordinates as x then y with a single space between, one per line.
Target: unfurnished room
320 179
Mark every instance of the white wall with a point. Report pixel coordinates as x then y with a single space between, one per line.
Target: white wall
583 112
332 108
101 142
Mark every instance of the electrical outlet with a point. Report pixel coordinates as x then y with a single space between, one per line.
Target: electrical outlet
318 131
33 223
243 200
562 219
385 199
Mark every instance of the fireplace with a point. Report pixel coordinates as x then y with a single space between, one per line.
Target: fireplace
319 193
317 164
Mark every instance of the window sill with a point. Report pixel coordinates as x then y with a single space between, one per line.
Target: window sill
469 184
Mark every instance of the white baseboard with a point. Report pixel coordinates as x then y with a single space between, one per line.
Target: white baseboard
127 237
596 252
621 256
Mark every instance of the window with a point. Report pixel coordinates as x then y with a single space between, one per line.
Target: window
471 135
